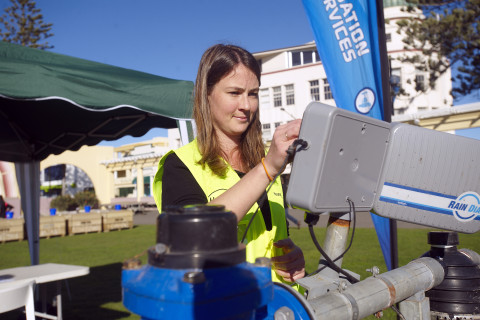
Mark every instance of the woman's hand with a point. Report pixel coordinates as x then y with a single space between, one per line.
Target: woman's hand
291 265
282 138
241 197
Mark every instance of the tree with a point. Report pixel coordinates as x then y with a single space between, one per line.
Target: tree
447 36
22 23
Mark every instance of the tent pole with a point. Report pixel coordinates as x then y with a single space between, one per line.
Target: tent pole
28 178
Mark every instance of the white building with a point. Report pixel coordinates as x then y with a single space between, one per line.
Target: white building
406 74
293 77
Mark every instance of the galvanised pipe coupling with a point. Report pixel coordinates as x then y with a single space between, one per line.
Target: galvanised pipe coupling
379 292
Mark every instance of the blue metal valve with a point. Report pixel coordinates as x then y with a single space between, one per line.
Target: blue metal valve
220 293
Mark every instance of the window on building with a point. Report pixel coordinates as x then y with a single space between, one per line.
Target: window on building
146 186
327 92
422 109
264 98
125 192
277 96
396 78
299 58
388 37
277 124
266 131
314 90
290 94
56 172
121 173
420 82
308 57
296 58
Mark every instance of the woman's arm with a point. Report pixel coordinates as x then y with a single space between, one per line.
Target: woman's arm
240 198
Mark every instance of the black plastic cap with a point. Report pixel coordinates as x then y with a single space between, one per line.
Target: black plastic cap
439 238
196 236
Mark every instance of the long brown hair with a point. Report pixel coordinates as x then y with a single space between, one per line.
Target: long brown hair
216 63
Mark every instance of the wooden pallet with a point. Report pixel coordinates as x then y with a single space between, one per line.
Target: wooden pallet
115 220
11 230
52 226
84 223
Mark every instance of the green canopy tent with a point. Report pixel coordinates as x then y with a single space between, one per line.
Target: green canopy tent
50 103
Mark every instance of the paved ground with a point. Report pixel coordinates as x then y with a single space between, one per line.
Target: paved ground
363 219
146 217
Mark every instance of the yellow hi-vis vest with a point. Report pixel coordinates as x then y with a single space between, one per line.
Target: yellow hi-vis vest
259 241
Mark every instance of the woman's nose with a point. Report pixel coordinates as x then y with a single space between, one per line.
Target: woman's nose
246 103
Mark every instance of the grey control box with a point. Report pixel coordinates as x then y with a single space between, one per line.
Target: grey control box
344 158
397 170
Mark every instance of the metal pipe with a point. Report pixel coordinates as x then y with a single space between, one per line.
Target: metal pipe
335 241
336 236
382 291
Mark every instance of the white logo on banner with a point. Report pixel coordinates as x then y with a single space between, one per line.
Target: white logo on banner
365 100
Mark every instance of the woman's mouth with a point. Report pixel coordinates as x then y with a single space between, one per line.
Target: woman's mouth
241 118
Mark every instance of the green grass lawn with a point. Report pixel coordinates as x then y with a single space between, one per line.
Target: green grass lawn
98 295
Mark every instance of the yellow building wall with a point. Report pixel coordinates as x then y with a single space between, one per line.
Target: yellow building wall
89 160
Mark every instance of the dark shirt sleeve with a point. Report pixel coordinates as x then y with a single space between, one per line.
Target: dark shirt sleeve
179 187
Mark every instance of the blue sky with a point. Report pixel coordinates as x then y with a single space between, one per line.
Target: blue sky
167 38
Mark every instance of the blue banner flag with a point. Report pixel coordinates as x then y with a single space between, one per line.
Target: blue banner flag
347 39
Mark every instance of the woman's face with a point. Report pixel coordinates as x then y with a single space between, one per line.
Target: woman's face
233 102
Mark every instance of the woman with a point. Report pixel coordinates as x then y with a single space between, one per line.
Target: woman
226 164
